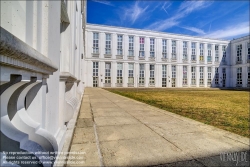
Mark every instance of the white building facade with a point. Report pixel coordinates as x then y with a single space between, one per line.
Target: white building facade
41 56
48 55
124 57
240 59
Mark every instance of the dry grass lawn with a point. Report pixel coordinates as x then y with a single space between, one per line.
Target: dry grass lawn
225 109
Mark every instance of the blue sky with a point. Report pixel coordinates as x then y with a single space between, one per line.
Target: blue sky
206 18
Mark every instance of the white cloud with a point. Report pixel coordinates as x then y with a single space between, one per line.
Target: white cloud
162 25
224 10
209 28
194 29
104 2
230 31
189 6
133 13
185 8
165 6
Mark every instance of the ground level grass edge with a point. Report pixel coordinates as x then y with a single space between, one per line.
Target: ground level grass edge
234 117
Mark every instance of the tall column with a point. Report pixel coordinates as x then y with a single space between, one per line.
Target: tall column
136 74
197 53
169 75
34 24
62 87
244 55
205 76
213 77
220 53
89 73
179 51
213 53
158 49
147 48
147 74
179 75
102 73
189 51
125 74
189 75
113 74
197 69
159 75
136 47
102 41
205 52
114 45
169 49
125 46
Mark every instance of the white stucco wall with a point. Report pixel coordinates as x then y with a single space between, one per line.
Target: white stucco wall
244 65
38 24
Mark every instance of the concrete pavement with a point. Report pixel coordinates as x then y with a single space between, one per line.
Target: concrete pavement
113 130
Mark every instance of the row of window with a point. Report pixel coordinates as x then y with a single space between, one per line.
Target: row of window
239 53
152 47
164 74
239 76
164 48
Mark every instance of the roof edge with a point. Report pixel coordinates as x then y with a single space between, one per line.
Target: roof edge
102 25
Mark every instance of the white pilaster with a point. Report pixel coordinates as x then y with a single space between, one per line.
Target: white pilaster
146 74
125 74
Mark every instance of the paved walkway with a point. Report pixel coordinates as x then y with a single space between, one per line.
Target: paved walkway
117 131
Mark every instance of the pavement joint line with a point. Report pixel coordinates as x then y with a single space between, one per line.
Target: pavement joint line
151 128
235 140
153 107
106 141
190 158
98 147
115 125
180 118
97 139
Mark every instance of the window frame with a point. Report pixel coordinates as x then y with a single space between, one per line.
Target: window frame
185 50
173 49
95 42
131 46
95 69
173 71
141 74
107 73
130 73
201 75
119 44
185 75
152 47
239 76
164 48
142 47
119 74
108 40
217 75
216 58
151 74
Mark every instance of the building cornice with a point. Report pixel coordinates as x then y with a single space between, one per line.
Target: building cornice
241 39
143 32
67 77
14 52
